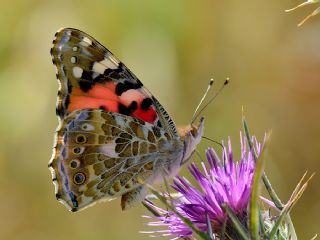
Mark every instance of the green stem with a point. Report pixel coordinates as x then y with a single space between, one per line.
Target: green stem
255 193
276 200
268 185
265 179
236 223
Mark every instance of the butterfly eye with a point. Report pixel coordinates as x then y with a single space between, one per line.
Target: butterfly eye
75 163
81 139
79 178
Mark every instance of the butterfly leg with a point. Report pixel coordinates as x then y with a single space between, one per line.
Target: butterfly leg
132 198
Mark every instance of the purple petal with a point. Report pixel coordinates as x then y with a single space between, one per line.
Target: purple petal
222 182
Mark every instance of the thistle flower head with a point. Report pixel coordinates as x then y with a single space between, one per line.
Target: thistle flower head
220 181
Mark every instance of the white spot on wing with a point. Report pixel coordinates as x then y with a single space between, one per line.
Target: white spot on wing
75 49
109 149
110 63
73 59
77 72
98 67
87 127
107 63
86 42
120 121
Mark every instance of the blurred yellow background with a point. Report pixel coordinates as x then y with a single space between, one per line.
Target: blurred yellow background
174 47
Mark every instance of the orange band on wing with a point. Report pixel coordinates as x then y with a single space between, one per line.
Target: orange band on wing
102 96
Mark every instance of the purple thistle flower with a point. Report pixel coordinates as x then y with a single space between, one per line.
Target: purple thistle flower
224 181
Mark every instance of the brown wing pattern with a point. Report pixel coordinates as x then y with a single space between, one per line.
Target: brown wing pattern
101 155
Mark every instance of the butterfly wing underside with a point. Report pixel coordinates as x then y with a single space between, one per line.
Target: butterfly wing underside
102 155
90 76
110 127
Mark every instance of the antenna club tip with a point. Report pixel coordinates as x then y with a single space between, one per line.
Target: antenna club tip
211 81
227 81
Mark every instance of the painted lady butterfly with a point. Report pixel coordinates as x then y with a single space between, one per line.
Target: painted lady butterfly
113 134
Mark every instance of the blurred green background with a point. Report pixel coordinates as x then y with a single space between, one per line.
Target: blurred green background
174 47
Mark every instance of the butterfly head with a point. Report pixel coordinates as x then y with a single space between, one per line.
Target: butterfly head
191 136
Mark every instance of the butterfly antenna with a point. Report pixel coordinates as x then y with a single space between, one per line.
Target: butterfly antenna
199 155
204 107
202 99
214 141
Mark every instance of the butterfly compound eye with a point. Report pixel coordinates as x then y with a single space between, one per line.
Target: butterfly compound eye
79 178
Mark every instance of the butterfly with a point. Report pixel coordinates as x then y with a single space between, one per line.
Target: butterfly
113 137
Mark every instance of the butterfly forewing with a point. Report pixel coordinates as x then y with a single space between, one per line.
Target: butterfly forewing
92 77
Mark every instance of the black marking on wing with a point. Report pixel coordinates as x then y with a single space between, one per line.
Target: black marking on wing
125 86
146 103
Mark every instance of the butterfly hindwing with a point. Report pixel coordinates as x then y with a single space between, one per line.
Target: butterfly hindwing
101 155
91 76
